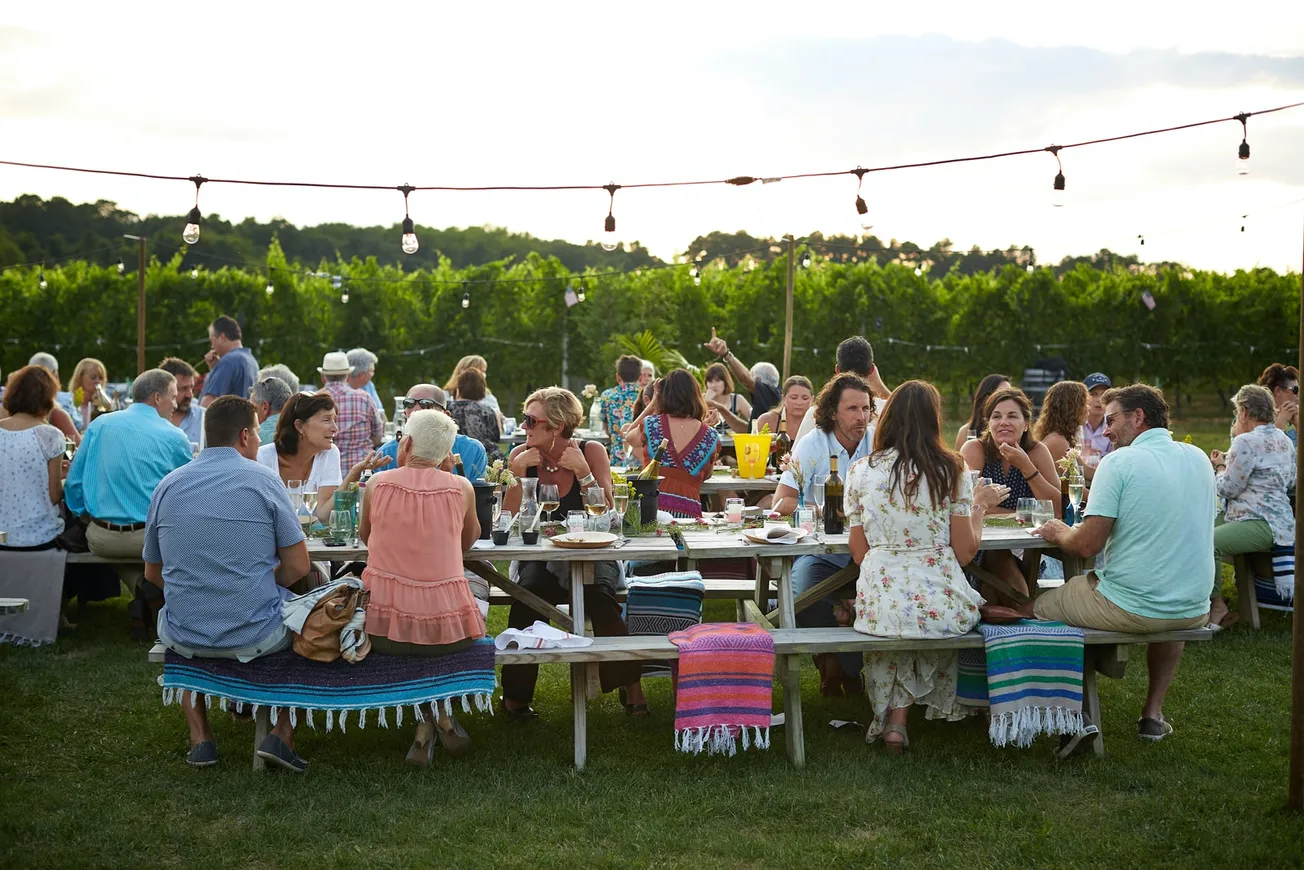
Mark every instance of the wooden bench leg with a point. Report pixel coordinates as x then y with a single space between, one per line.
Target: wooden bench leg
793 734
262 726
1249 602
1091 700
579 672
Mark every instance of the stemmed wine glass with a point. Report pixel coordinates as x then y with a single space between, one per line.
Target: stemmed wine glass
620 499
595 503
549 497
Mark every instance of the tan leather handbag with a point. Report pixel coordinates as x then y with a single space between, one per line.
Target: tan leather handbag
320 638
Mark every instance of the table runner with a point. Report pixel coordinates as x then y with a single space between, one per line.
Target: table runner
1033 680
724 687
378 683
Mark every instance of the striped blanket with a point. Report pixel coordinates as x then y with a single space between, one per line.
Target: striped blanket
377 684
1278 591
661 604
1030 675
724 687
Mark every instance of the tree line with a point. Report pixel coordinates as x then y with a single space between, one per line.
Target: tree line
1207 331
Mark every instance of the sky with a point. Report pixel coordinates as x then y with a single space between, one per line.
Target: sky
591 93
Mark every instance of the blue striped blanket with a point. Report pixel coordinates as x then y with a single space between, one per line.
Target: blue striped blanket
378 684
663 604
1278 591
1030 674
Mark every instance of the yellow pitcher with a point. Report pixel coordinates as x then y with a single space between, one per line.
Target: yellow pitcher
753 454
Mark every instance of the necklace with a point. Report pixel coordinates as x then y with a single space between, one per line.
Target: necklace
550 465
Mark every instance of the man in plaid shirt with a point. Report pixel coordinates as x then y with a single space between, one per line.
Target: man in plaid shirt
362 428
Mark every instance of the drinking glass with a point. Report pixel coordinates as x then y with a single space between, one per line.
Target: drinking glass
1024 510
575 522
509 426
733 512
68 449
341 526
984 481
549 497
620 499
310 498
818 483
1044 513
806 519
595 504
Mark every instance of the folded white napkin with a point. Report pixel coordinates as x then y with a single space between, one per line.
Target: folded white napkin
541 635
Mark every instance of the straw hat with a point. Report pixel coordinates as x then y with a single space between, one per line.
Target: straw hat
335 363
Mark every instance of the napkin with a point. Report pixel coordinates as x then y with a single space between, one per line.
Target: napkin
776 535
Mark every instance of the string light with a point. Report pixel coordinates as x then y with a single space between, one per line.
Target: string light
42 283
409 241
190 234
696 273
579 292
805 260
861 208
466 299
1243 152
1031 268
1057 191
344 296
1143 240
122 267
194 273
271 288
609 240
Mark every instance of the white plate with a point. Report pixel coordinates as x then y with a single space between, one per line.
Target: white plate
789 536
584 540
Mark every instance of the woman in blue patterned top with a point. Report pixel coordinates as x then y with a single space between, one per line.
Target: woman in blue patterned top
677 413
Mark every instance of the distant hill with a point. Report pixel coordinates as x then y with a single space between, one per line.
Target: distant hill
33 230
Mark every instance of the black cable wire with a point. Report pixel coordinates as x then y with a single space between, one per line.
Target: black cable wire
736 180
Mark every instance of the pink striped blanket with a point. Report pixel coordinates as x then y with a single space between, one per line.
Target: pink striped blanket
724 687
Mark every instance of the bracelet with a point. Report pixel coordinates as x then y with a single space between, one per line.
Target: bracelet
588 480
1036 472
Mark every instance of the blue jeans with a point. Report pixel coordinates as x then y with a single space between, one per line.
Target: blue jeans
808 571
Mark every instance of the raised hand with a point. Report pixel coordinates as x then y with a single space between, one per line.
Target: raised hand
716 345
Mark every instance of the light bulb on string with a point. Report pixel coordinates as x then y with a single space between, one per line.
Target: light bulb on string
1243 217
1243 152
122 267
271 288
1057 188
409 241
344 297
194 273
466 299
579 292
1031 268
190 234
861 208
1142 238
805 260
609 239
919 271
41 282
696 273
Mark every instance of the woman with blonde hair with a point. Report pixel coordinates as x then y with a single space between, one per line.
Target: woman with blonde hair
417 520
89 375
550 454
478 363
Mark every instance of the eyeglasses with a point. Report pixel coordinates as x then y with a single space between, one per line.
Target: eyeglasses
529 422
424 404
1110 418
1294 389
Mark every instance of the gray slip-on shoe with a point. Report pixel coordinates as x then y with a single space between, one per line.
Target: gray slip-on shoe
202 754
273 749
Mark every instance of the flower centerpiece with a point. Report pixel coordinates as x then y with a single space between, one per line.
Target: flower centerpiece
1069 465
791 464
500 474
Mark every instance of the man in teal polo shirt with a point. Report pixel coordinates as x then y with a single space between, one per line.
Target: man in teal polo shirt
1151 512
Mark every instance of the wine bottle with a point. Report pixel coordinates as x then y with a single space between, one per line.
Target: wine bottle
782 446
651 471
834 518
458 469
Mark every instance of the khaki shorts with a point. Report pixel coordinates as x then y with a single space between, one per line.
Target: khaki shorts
1078 602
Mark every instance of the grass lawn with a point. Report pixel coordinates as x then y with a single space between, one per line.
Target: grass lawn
91 774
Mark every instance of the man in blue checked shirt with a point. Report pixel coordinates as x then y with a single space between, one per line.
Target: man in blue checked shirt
122 458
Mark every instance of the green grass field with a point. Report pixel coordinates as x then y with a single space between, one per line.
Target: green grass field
91 775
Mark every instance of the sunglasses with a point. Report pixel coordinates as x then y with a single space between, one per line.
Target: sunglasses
1294 389
1110 418
424 404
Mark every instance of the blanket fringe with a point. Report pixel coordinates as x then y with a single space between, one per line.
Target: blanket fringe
18 640
482 702
720 739
1020 728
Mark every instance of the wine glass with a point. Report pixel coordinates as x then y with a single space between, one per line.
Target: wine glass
620 498
310 498
818 491
69 449
595 502
549 497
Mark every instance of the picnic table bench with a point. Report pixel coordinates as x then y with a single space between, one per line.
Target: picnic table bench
1108 656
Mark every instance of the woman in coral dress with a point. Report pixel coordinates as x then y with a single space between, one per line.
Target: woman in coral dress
417 520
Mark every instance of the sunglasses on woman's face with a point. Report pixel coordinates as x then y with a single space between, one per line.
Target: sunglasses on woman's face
529 421
423 404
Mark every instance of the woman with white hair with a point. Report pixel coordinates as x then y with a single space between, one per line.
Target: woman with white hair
417 520
1255 477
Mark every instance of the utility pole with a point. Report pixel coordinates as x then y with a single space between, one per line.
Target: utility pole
1295 787
787 323
140 302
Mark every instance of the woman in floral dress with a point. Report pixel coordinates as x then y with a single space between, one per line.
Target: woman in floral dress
914 519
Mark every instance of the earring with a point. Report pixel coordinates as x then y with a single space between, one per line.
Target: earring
553 446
